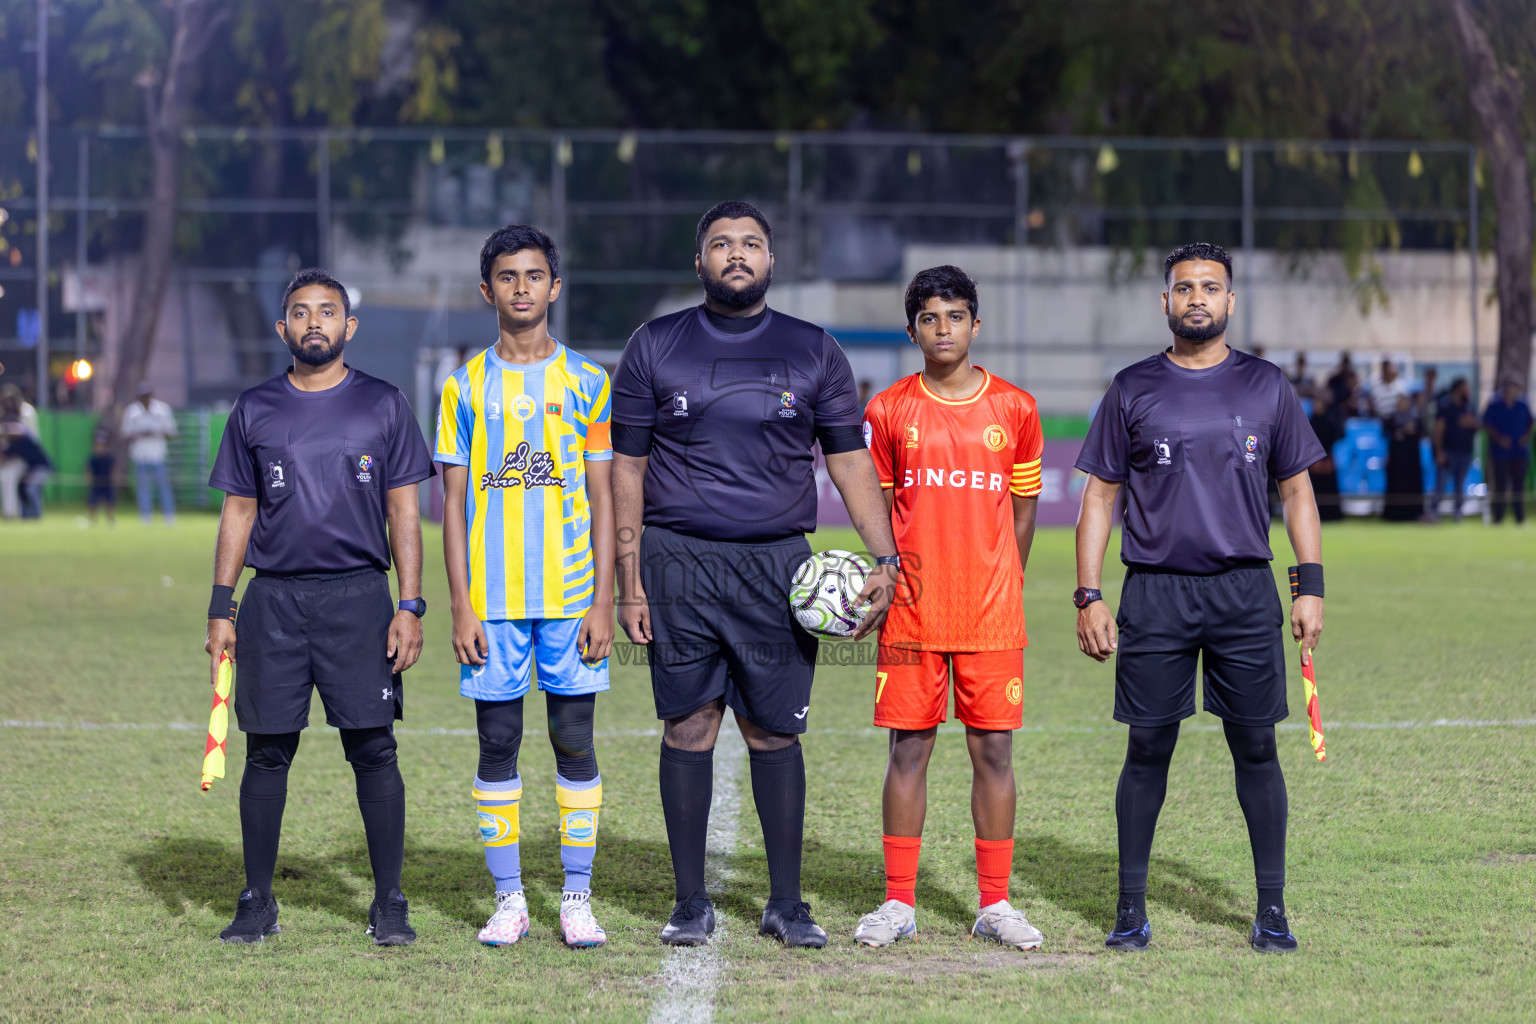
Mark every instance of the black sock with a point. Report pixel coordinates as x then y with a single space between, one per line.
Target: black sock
1261 793
381 799
1136 901
687 786
263 795
778 789
1138 799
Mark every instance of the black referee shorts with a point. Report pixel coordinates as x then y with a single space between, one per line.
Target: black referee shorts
326 631
1231 621
721 628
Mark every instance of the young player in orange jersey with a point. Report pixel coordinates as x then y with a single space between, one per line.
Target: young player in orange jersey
958 453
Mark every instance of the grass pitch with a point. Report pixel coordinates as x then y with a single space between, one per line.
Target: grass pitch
1412 857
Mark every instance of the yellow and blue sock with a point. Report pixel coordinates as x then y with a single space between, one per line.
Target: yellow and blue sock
579 804
497 804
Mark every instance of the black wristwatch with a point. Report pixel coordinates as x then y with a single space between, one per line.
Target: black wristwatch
416 606
889 560
1085 596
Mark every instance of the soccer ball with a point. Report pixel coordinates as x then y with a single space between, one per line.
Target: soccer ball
825 593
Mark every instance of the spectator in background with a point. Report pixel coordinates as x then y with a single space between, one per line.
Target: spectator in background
1340 383
1455 435
14 421
1426 404
1300 379
1329 429
17 409
101 469
1387 393
149 424
1508 422
866 390
19 446
1405 469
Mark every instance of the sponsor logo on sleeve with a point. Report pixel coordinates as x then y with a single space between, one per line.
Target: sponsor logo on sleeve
869 434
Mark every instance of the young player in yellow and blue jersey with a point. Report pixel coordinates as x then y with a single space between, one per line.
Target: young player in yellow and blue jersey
528 536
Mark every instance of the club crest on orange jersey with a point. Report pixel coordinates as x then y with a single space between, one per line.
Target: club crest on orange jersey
911 435
995 438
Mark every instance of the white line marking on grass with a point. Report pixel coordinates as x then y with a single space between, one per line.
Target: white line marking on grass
692 973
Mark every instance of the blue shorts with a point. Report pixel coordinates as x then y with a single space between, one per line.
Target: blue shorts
516 645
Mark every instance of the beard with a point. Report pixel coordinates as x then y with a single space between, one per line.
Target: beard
723 294
311 355
1215 327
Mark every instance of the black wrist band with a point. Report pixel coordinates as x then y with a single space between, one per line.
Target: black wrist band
889 560
222 604
1307 580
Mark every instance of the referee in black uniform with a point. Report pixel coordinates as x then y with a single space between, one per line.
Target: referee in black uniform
715 412
1194 434
319 467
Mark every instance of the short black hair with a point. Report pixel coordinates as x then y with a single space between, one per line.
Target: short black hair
315 276
515 238
731 209
1197 251
944 282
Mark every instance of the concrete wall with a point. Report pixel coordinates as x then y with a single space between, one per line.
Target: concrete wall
1063 322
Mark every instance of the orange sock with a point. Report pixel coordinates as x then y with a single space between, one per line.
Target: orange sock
901 854
994 863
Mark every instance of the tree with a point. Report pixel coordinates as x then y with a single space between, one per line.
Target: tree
1498 99
165 88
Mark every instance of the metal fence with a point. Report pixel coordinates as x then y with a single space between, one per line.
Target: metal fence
257 204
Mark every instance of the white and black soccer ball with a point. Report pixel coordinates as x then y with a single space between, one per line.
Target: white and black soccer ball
824 596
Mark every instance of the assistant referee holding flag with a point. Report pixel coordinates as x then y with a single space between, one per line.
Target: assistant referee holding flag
319 467
1194 434
715 412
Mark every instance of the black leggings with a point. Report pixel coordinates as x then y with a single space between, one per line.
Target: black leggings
1260 792
380 798
367 750
500 725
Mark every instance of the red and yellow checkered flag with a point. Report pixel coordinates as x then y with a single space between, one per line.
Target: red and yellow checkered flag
218 724
1314 713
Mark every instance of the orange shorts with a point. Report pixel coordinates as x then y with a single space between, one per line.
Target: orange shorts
912 688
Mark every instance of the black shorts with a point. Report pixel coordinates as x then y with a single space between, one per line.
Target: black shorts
329 631
721 628
1231 621
101 496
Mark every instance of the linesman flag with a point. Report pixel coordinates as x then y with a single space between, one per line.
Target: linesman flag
218 725
1314 713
